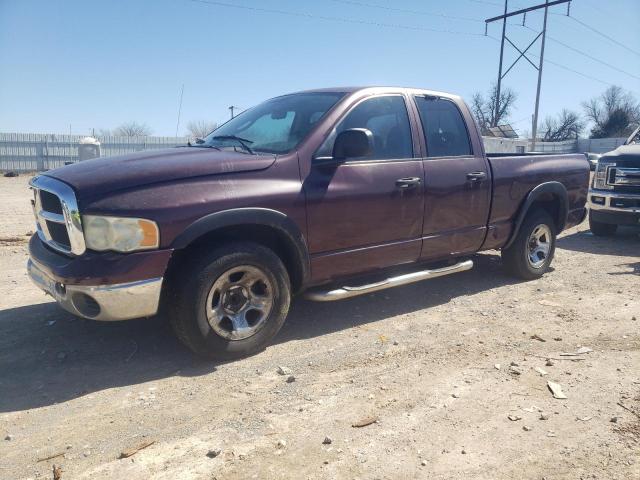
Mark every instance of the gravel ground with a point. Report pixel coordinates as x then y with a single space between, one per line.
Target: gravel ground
447 369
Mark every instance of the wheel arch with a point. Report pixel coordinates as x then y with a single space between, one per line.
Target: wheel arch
549 196
270 228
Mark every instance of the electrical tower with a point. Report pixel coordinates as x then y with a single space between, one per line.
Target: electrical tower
541 35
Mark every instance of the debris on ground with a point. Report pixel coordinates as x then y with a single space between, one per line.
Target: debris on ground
11 174
580 351
556 390
628 409
214 453
543 416
284 370
513 370
291 379
132 451
365 421
57 472
514 418
282 444
549 363
614 420
549 303
8 438
527 428
497 366
50 457
541 371
327 441
537 337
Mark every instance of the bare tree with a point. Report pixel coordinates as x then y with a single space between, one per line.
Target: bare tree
200 128
132 129
566 126
615 113
484 107
104 132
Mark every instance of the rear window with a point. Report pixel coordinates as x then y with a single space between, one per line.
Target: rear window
444 128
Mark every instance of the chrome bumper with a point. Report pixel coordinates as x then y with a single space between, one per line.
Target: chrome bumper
102 302
609 201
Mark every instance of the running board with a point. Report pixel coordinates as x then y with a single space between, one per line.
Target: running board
347 292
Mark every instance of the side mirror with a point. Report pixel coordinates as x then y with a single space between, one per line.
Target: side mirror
353 143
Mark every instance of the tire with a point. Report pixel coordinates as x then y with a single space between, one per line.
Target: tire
236 281
529 257
602 229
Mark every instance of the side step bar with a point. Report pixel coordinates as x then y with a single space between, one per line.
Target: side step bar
348 292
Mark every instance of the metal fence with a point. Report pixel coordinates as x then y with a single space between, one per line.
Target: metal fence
23 152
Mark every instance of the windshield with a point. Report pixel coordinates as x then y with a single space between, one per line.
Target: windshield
634 139
275 126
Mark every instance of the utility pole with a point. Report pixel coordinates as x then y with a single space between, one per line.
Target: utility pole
494 122
523 52
231 109
535 112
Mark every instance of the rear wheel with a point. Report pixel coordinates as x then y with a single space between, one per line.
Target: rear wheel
230 302
601 229
531 253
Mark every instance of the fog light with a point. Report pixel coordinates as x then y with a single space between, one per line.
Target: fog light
86 305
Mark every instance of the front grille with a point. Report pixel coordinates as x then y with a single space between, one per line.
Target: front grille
50 202
57 215
624 179
59 234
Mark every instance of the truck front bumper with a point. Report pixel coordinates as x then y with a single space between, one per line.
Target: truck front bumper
100 286
614 208
102 302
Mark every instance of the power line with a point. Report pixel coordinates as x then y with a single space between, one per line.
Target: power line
564 67
403 10
604 35
333 19
484 2
586 55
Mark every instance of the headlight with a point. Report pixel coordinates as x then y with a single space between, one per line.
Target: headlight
600 177
119 234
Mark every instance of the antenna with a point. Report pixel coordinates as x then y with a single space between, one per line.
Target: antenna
179 109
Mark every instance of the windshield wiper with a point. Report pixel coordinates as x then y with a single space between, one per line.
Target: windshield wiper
242 141
199 144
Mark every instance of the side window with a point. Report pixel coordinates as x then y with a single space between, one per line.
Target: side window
444 128
387 119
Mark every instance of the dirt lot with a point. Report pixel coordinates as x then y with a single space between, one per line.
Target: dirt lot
431 361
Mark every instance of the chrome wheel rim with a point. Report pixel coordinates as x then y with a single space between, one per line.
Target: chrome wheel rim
539 246
239 302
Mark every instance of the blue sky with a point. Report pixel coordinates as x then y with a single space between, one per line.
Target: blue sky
96 64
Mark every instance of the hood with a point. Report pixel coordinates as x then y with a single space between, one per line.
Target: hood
624 156
93 178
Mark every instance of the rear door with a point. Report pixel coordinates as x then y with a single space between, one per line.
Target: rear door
367 213
457 181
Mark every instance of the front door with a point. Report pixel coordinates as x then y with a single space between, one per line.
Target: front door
457 182
367 212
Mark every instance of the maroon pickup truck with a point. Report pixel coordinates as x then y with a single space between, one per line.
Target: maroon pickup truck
309 192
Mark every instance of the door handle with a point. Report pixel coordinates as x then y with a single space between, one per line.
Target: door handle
408 182
476 176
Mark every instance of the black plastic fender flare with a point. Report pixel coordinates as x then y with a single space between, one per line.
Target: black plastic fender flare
246 217
555 188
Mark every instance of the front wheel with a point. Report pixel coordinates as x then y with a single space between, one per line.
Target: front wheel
531 253
230 302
